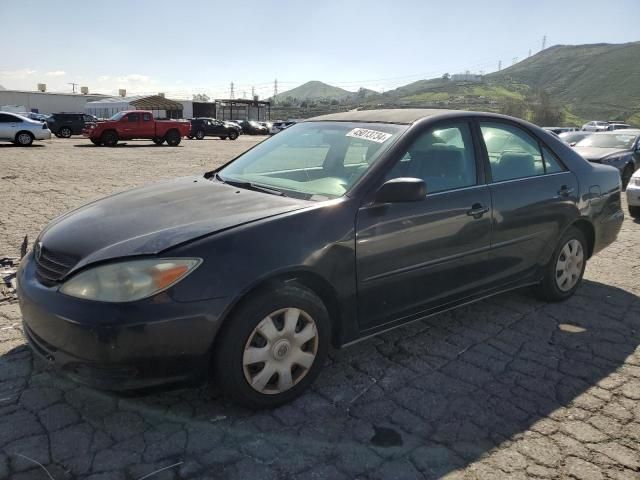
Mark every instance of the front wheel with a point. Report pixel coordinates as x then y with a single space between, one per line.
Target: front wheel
273 347
109 139
95 141
634 211
24 139
65 132
563 273
233 135
200 134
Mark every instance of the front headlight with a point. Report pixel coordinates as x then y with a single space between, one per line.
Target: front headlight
130 280
635 181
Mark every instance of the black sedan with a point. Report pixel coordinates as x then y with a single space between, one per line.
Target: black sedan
251 127
203 127
619 148
338 228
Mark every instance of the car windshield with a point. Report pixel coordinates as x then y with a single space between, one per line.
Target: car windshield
608 141
118 116
315 160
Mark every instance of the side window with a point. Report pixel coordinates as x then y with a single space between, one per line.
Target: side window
443 157
551 162
146 117
4 118
513 153
133 117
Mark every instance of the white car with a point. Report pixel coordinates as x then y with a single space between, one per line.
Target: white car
279 126
22 130
633 195
595 126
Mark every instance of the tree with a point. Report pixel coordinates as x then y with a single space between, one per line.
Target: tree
514 108
201 97
446 76
545 112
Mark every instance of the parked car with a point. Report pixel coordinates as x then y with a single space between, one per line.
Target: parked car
22 130
572 138
39 117
559 130
202 127
620 149
63 125
633 195
266 125
595 126
338 228
251 127
130 124
279 126
618 126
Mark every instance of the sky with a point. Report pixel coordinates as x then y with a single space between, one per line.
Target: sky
184 48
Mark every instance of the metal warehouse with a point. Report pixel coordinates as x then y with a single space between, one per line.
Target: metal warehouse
46 102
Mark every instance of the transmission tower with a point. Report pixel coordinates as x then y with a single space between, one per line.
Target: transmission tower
253 93
529 52
499 65
231 94
515 60
544 42
73 86
275 89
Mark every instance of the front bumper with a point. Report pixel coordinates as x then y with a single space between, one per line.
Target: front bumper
633 195
133 345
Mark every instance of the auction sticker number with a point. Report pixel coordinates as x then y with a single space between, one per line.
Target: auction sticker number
371 135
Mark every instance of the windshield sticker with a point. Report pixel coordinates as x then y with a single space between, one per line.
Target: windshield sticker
371 135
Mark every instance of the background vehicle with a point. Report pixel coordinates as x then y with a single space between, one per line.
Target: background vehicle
620 149
251 127
595 126
559 130
266 125
22 130
279 126
40 117
131 124
63 125
338 228
574 137
203 127
618 126
633 195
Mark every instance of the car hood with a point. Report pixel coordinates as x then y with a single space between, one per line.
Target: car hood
596 153
148 220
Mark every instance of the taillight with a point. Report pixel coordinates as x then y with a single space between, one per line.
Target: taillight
44 126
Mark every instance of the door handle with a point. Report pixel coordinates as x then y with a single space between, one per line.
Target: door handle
477 210
565 191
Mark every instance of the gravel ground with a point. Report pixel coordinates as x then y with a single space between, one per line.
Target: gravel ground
506 388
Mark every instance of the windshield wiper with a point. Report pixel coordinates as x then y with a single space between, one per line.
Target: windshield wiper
250 186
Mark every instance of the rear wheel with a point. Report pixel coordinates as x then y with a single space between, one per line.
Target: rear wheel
233 135
200 134
634 212
65 132
109 138
157 141
564 271
24 139
273 347
173 138
626 175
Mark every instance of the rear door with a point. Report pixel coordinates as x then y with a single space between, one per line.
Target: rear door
416 256
534 197
146 127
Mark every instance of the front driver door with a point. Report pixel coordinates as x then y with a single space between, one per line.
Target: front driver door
417 256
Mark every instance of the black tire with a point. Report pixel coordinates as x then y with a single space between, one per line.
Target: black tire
109 138
200 135
24 139
634 212
95 142
549 289
190 137
222 137
65 132
626 175
58 135
157 141
233 135
230 346
173 138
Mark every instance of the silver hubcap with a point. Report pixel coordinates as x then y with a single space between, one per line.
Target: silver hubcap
24 138
569 265
280 351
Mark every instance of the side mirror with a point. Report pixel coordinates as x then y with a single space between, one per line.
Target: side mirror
404 189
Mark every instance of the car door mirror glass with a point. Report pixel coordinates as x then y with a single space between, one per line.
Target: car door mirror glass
403 189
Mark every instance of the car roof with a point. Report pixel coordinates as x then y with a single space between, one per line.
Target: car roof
404 116
622 131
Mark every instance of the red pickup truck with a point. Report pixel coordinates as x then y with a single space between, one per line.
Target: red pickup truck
132 124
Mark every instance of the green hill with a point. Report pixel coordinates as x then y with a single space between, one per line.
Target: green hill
314 90
593 81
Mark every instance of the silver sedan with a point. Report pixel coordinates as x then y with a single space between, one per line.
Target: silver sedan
22 130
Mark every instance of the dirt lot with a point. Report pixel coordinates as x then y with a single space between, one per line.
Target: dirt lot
507 388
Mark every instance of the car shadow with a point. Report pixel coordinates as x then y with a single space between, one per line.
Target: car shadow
123 145
13 145
433 396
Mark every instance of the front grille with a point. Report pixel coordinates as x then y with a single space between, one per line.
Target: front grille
51 267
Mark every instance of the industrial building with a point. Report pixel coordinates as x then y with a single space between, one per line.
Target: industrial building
41 101
243 109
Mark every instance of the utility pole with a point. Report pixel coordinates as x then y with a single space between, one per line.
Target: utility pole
275 89
529 52
73 86
244 94
499 65
231 94
253 93
515 60
544 42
